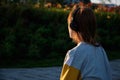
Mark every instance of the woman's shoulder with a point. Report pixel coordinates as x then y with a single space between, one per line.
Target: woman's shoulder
78 54
83 47
86 49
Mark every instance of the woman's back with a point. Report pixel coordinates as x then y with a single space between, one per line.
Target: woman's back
91 62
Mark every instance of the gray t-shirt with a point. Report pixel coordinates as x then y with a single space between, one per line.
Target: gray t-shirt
91 61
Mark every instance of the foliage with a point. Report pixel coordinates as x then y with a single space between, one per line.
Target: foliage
40 33
108 30
29 32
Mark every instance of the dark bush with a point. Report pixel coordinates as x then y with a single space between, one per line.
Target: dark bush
108 30
27 32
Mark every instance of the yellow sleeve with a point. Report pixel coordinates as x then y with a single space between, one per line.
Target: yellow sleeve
70 73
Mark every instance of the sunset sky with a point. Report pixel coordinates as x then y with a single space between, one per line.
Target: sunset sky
117 2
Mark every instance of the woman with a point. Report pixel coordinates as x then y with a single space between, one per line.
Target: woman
88 60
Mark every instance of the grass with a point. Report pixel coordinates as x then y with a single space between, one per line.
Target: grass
113 55
28 63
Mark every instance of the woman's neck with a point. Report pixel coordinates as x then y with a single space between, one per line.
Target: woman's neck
79 38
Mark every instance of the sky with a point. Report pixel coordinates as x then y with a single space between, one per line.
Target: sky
117 2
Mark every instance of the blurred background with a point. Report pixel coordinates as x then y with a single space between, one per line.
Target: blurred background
33 33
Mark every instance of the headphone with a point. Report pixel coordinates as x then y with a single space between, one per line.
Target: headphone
73 24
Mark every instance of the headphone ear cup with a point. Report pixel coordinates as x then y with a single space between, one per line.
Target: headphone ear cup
73 26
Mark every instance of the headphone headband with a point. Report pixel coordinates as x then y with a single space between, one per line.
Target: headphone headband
73 24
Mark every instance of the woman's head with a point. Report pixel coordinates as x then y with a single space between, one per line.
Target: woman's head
82 23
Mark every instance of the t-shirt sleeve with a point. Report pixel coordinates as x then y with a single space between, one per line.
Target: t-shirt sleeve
69 72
